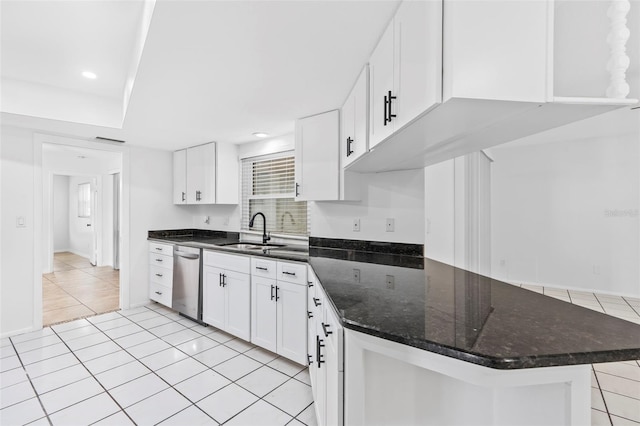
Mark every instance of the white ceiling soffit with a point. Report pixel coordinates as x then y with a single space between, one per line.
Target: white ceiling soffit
221 70
47 45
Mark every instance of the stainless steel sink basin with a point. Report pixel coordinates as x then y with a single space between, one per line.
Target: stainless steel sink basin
253 246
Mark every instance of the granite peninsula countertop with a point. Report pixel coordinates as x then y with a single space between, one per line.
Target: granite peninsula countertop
403 297
437 307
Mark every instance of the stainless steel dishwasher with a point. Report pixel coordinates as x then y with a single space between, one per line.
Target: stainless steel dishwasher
187 284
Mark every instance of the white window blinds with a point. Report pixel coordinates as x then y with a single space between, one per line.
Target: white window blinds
268 186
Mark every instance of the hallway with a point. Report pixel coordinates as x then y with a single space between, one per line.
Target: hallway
76 289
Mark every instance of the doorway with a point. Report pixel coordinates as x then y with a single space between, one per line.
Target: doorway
81 277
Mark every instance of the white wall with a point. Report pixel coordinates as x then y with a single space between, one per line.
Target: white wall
80 235
440 212
18 251
150 207
61 213
397 195
551 221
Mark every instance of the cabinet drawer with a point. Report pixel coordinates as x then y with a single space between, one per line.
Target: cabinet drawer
161 260
292 272
159 248
160 293
230 262
263 267
162 276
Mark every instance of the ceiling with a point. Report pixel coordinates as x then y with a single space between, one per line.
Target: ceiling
204 71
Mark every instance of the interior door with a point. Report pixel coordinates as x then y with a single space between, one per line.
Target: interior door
93 220
116 221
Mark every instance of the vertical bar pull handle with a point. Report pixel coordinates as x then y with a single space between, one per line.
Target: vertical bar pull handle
272 287
386 105
297 189
184 194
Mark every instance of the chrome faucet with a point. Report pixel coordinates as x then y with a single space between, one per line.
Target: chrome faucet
265 237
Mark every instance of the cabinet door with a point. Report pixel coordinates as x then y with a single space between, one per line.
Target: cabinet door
333 335
263 313
380 83
347 134
418 53
357 108
201 174
213 297
180 177
321 376
238 308
317 157
292 324
227 174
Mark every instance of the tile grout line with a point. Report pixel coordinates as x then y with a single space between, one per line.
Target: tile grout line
606 407
30 383
97 381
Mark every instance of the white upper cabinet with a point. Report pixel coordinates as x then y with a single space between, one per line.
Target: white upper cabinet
201 174
206 174
468 75
354 138
317 143
405 68
180 177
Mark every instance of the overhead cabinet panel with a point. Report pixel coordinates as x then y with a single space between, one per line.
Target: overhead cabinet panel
317 157
201 174
206 174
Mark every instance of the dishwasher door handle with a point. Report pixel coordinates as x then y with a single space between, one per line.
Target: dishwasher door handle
186 255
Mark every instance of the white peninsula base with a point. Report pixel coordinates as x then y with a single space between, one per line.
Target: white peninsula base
388 383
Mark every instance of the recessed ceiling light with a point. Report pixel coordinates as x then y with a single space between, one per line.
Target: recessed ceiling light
261 134
90 75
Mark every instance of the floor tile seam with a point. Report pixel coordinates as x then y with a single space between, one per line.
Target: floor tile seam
314 413
37 396
143 399
254 403
53 371
604 402
621 394
623 417
285 382
636 310
94 378
619 376
193 404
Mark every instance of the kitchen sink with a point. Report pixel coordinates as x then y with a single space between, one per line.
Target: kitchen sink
253 246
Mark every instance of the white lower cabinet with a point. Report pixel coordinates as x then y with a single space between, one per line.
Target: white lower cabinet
278 308
325 354
226 293
160 273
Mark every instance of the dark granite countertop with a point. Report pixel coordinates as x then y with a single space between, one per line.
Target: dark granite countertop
437 307
208 239
403 297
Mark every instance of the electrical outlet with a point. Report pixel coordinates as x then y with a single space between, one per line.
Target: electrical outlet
356 225
391 224
391 282
356 275
206 219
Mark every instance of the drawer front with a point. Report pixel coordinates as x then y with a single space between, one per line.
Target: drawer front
295 273
161 260
162 276
160 294
159 248
230 262
262 267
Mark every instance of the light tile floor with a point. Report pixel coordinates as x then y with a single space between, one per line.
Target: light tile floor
150 366
75 289
615 386
147 366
